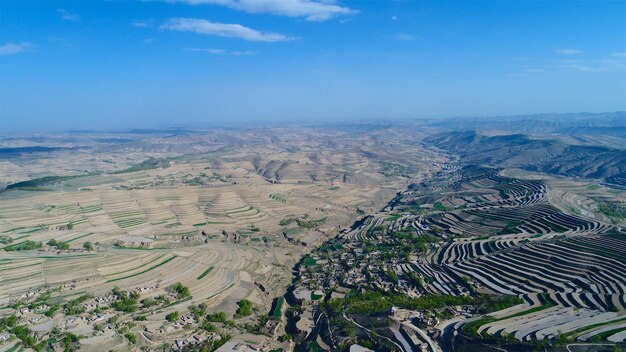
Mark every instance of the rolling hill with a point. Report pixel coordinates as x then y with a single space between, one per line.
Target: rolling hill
550 156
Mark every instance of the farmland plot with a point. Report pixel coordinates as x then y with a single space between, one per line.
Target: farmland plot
212 222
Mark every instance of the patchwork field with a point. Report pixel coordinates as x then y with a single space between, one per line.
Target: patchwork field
302 239
568 268
438 250
221 218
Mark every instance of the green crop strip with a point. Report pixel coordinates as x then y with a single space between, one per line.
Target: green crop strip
205 273
142 272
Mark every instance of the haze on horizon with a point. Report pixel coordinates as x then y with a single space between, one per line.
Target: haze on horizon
79 65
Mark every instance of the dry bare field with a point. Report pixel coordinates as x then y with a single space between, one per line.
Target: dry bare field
224 214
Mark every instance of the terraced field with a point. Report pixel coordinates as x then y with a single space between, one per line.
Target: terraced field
499 235
570 270
174 229
205 211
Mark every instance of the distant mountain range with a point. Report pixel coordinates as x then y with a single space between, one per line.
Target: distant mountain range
570 123
550 156
15 152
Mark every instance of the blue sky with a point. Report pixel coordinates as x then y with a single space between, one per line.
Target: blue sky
86 64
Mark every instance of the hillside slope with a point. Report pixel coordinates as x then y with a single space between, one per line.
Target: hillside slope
518 150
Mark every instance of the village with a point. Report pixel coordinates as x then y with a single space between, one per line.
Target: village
409 256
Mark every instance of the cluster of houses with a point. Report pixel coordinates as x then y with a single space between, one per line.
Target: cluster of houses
59 251
96 319
135 241
195 339
237 345
356 265
353 267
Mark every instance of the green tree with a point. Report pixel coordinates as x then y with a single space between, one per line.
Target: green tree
131 337
173 316
180 290
285 337
245 308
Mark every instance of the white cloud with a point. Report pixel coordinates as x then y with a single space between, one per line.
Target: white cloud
202 26
569 51
67 15
148 41
12 49
394 18
575 66
311 10
614 62
534 70
222 51
620 55
140 24
210 51
611 63
403 37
